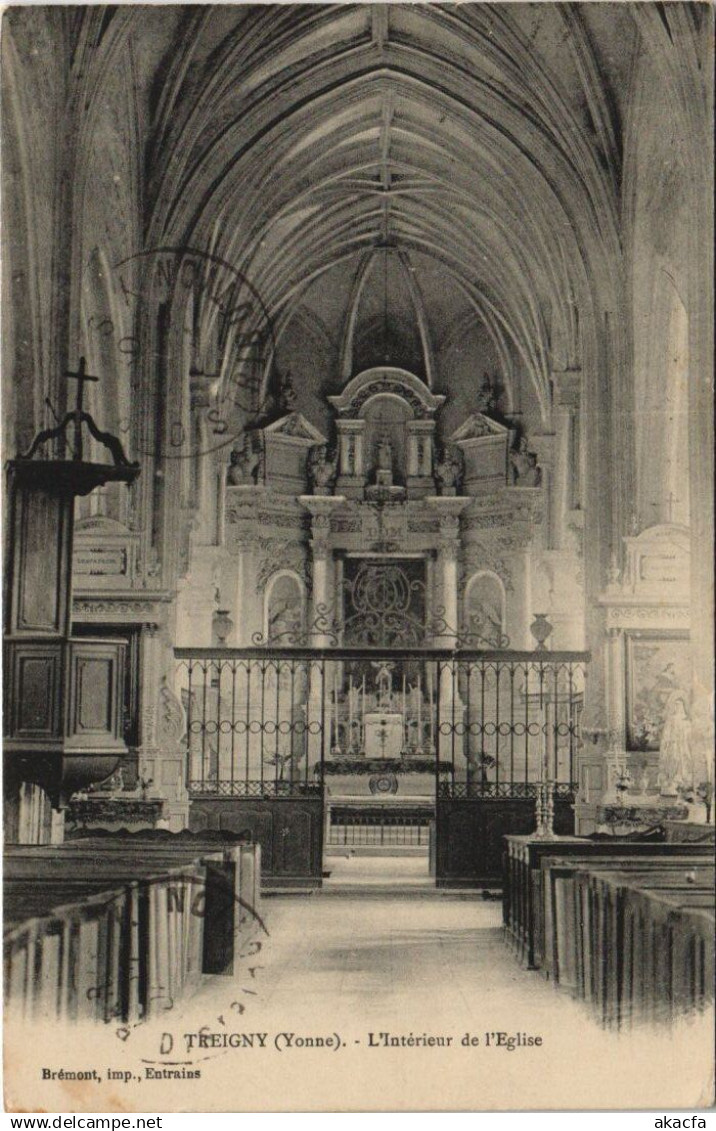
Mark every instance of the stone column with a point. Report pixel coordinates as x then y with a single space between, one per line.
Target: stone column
351 457
451 707
323 615
242 530
519 603
567 396
543 446
420 457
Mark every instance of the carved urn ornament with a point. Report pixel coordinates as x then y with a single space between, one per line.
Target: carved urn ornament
541 629
222 625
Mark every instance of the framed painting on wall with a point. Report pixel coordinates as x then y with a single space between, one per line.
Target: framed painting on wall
658 665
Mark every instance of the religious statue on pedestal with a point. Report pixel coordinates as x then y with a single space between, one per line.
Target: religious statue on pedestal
243 464
321 469
448 473
524 467
676 769
384 462
384 683
485 396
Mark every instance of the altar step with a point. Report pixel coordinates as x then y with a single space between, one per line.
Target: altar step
344 851
393 877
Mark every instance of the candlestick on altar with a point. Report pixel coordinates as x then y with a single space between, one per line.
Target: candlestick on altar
336 744
431 717
406 736
420 714
350 711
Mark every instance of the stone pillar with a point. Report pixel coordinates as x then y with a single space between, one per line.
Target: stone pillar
323 615
351 457
567 386
242 529
451 709
420 457
519 604
448 511
543 446
615 680
195 609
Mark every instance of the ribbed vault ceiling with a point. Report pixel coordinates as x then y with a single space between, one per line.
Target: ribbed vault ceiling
484 140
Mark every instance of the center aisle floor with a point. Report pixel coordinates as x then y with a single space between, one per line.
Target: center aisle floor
359 967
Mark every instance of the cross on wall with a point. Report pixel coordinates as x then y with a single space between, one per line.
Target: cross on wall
669 504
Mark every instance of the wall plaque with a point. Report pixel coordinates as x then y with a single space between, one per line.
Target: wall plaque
98 561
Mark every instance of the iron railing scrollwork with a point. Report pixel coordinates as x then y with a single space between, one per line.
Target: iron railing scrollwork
325 629
274 722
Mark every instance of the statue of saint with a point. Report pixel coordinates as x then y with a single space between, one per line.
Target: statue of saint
384 461
448 472
384 683
485 396
243 463
524 464
675 760
321 468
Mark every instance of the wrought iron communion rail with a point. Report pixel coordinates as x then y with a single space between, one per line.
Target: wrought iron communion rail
273 722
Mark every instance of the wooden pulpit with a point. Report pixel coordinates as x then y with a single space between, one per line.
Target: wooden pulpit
62 696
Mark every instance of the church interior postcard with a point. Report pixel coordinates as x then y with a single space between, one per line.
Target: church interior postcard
358 616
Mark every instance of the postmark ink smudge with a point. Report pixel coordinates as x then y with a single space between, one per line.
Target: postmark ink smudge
186 303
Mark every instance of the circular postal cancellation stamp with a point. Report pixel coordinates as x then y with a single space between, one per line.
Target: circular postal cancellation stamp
198 354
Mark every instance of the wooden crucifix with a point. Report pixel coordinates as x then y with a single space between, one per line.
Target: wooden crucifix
81 376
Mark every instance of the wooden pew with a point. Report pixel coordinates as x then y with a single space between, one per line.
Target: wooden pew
568 919
627 912
44 976
522 896
148 932
675 930
114 928
233 886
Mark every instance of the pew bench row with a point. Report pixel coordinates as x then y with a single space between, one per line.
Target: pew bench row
112 932
628 928
625 940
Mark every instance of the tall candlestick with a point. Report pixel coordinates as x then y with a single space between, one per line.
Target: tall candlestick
405 717
420 714
335 709
362 721
350 711
431 718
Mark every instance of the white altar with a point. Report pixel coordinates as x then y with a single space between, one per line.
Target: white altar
383 734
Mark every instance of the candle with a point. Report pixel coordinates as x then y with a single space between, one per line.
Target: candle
405 715
350 711
420 713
